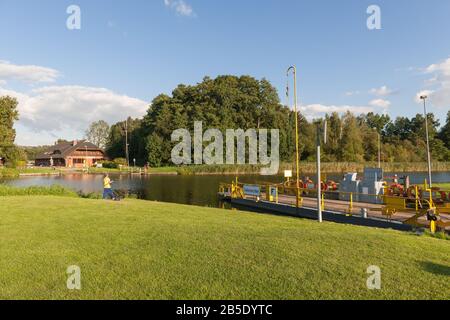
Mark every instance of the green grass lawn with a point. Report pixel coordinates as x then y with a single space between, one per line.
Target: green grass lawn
147 250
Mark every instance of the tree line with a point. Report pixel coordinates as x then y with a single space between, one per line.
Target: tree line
231 102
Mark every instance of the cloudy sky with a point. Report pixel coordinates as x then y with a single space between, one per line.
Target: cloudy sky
127 52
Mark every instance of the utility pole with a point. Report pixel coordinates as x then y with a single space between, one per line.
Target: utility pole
319 178
126 143
424 98
86 154
294 70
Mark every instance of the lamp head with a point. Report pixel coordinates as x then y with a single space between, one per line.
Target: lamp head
423 97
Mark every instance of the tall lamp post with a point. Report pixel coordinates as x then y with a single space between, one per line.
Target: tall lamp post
294 72
424 98
86 154
127 155
320 132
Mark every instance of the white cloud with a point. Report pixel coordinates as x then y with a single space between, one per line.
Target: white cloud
380 103
352 93
181 7
62 111
319 110
56 109
26 73
443 68
383 91
440 95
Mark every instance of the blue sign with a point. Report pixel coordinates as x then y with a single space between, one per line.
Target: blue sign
251 190
274 191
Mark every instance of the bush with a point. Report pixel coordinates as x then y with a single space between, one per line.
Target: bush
15 157
109 165
120 161
8 173
115 164
21 164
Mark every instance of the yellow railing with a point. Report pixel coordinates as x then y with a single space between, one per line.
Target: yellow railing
388 205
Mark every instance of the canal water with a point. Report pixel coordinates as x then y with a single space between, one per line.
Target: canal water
192 190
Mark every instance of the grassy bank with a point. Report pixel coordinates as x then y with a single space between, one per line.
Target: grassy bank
145 250
305 167
36 191
8 173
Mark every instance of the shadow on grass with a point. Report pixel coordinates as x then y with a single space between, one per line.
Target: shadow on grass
438 269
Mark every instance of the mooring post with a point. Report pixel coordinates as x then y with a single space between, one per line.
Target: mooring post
350 209
323 202
417 197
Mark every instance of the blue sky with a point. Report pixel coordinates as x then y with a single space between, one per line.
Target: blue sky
127 52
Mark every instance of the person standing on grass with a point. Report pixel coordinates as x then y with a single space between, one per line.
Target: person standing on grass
107 190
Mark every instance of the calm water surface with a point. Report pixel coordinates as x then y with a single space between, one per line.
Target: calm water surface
192 190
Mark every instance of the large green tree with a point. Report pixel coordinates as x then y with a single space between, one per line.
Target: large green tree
444 134
115 146
98 133
351 146
227 102
8 115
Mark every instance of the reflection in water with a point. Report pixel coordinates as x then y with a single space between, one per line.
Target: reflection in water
193 190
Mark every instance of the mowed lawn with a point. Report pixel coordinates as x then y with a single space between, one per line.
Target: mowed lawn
147 250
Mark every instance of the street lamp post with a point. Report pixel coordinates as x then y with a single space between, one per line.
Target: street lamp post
319 177
424 98
294 71
86 154
320 132
127 153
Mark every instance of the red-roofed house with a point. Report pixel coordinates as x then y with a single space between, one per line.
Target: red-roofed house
75 154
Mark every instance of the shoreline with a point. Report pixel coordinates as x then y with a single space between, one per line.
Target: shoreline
93 173
307 169
43 174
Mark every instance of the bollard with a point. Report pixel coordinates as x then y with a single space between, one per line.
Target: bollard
350 207
364 213
416 190
433 227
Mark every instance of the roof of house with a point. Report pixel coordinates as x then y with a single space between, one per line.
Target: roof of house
62 150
